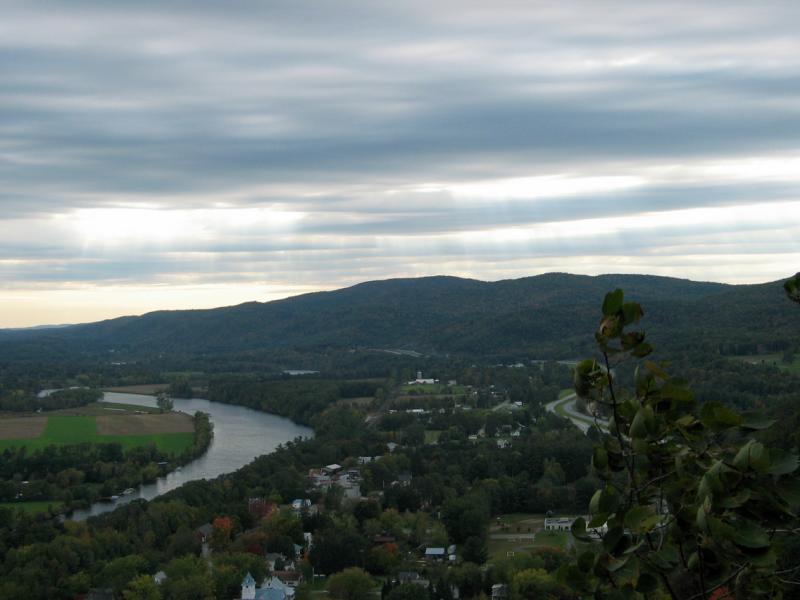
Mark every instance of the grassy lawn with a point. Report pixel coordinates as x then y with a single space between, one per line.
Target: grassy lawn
565 392
558 539
32 507
432 436
63 430
499 549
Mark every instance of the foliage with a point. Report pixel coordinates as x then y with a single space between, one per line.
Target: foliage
351 584
20 401
164 402
690 500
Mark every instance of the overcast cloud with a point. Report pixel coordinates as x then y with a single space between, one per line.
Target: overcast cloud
187 154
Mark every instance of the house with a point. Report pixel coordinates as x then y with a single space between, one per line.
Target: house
503 443
160 577
288 578
383 540
451 553
392 446
499 591
365 460
272 590
435 554
319 478
558 523
300 504
404 479
420 381
308 539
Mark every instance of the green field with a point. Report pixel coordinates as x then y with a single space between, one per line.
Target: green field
63 430
432 436
559 539
775 359
32 507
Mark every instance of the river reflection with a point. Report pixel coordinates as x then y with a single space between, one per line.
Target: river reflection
240 435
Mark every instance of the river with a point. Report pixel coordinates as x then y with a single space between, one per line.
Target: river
240 435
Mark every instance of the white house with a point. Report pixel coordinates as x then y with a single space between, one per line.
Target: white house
274 589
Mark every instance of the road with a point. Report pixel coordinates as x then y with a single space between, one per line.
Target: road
565 407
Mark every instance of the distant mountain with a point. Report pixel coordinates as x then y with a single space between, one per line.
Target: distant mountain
551 315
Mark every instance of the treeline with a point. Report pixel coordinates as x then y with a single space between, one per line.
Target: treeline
21 401
297 399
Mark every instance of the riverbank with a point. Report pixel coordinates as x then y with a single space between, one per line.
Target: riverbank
240 435
66 460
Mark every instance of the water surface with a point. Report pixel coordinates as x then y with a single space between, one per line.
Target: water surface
240 435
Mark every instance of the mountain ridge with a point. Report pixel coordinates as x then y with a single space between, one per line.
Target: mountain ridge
552 313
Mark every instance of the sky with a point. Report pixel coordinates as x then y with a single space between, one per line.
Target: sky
190 154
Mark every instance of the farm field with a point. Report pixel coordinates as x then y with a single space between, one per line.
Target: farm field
171 433
147 389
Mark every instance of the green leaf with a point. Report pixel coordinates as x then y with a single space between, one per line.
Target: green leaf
646 584
756 420
736 500
749 534
642 422
613 302
718 417
598 520
586 561
579 530
612 538
753 456
631 312
782 462
635 516
642 350
789 491
599 458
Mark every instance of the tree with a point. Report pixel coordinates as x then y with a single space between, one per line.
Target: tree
351 584
692 503
164 402
142 588
532 584
221 533
408 591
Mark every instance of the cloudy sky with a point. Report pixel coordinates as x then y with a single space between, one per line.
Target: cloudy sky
196 153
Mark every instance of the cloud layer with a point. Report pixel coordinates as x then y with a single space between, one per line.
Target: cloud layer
210 153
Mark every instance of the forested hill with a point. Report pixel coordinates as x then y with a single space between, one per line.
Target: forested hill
545 316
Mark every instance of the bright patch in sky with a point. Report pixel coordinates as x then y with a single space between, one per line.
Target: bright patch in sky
199 154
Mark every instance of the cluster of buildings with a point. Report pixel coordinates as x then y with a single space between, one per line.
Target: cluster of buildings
272 589
349 480
565 524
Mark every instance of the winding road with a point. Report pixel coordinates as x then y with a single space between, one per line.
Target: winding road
565 407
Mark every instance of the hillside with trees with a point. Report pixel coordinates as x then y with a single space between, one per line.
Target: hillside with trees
535 317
